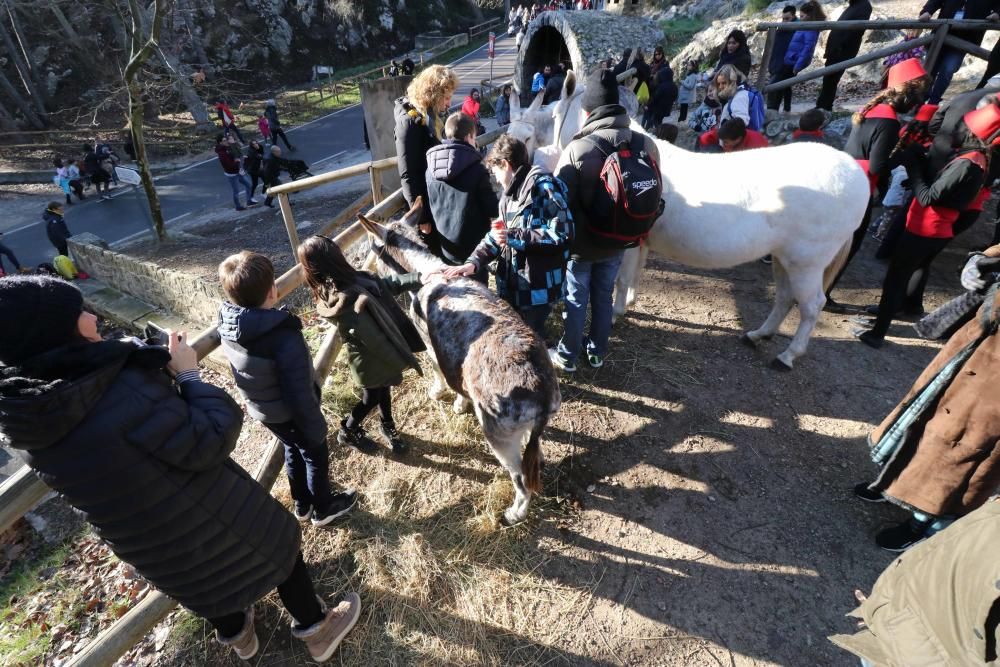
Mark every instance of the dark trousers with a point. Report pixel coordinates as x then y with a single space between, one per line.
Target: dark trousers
856 241
61 246
307 465
774 100
828 92
683 113
235 130
9 254
296 593
913 253
535 317
891 236
254 180
372 397
278 133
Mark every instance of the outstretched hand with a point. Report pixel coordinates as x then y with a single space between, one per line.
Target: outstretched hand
182 356
459 271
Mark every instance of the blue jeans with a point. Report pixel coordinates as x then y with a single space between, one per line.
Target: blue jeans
307 465
234 182
593 282
948 63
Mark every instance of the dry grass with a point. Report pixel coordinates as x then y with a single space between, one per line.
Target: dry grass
442 582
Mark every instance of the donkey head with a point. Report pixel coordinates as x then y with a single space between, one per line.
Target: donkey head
533 125
398 246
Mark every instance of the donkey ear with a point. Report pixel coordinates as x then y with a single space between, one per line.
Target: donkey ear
372 227
536 103
416 211
515 105
569 85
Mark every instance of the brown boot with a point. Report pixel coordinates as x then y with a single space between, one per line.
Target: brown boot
245 643
323 638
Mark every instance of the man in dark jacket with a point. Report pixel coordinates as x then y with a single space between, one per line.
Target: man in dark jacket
145 459
274 123
842 45
55 227
593 265
459 191
9 254
272 369
270 173
781 40
950 59
96 173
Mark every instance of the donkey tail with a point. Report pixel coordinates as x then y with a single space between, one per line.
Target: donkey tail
531 462
836 266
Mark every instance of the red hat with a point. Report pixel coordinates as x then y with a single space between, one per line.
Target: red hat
926 112
985 122
905 71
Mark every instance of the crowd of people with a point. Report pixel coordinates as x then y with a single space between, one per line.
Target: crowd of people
95 167
545 238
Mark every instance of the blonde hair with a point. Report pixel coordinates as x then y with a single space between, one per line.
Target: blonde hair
432 85
733 76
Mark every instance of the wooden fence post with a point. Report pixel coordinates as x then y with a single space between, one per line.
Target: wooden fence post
934 52
375 175
766 58
289 217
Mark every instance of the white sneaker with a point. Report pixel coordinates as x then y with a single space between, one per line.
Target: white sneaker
561 363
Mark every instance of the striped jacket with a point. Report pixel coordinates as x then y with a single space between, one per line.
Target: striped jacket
532 266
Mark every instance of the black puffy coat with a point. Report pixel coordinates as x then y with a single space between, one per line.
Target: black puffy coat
149 466
843 45
55 227
461 198
413 139
272 367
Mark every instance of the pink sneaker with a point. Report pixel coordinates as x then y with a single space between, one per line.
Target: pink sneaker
323 638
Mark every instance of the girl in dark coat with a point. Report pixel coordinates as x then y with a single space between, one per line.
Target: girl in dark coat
253 163
379 338
145 457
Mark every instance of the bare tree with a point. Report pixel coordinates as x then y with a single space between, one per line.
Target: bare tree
141 47
22 65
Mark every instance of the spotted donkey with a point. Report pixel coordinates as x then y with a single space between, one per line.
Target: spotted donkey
480 348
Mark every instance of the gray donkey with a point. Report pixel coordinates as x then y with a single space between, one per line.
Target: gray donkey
480 348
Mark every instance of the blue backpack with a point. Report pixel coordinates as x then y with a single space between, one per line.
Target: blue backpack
757 108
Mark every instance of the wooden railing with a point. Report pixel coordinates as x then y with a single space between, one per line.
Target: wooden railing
937 39
23 490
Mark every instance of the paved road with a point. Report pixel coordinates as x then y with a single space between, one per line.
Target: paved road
201 185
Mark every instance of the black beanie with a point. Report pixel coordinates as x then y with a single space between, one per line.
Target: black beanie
38 314
602 88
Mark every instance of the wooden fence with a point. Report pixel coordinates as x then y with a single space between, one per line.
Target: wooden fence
24 489
937 38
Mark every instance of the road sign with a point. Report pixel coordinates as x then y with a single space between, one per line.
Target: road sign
128 176
493 43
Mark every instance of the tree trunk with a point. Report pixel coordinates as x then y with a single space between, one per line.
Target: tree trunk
20 102
189 96
135 109
37 100
36 72
7 121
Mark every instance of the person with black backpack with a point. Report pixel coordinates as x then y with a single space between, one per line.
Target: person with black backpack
614 187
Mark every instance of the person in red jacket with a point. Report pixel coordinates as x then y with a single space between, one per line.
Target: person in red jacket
875 140
938 200
731 137
234 172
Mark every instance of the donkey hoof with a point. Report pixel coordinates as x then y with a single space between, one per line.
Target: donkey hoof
461 405
436 393
748 341
778 365
512 517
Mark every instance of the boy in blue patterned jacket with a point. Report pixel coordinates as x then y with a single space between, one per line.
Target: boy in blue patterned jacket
532 247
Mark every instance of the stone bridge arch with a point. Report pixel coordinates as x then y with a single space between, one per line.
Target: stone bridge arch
581 38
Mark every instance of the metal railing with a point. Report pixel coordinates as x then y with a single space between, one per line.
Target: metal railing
23 490
936 40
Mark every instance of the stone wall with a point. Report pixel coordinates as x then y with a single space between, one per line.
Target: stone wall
186 296
583 38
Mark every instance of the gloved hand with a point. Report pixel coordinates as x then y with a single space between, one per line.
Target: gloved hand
912 155
972 279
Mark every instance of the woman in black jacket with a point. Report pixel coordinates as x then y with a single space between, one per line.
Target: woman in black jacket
419 127
735 52
252 163
145 457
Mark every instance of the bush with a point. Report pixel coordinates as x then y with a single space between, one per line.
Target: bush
754 6
678 33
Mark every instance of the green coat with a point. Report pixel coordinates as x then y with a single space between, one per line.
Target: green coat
379 339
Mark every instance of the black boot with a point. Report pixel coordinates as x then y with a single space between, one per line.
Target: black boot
389 432
354 437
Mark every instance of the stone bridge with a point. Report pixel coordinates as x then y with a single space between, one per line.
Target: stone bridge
582 39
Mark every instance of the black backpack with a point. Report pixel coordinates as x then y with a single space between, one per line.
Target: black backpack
630 201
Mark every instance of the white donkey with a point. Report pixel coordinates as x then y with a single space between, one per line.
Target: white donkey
798 203
480 348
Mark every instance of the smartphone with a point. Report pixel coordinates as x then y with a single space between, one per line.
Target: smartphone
156 335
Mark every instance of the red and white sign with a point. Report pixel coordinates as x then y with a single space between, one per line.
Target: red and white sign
491 50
